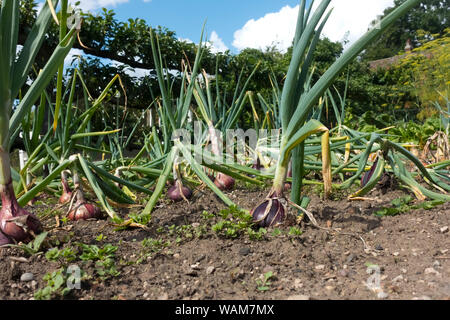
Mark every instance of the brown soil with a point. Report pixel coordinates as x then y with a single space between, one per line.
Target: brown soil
410 251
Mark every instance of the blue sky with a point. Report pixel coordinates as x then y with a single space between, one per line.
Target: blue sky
238 24
187 17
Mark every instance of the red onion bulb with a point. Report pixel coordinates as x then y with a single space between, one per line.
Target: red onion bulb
65 197
270 212
179 192
15 222
4 239
367 175
84 211
224 182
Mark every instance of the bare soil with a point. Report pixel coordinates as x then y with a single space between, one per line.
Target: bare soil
408 254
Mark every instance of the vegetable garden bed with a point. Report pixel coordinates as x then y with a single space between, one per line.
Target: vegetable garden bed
186 254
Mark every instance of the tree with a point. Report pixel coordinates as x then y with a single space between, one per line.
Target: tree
432 16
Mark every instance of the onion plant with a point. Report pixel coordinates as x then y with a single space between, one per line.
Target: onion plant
17 224
69 148
173 112
219 117
296 105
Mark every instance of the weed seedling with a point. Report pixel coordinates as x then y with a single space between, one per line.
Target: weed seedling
403 205
55 286
295 231
276 232
263 283
104 259
63 256
100 237
207 215
33 247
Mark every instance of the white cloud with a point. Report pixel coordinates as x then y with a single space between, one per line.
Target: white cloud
187 40
87 5
216 43
353 17
73 54
278 28
92 5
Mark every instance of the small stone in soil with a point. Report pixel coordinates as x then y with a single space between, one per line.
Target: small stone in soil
200 258
398 278
195 266
210 270
244 251
191 272
164 296
320 267
444 229
431 271
350 258
26 277
343 273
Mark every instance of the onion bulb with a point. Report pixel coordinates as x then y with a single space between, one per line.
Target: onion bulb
15 222
367 175
224 182
4 239
84 211
179 192
270 212
66 195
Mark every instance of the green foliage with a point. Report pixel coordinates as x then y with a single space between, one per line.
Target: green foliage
207 215
404 131
32 247
424 73
256 235
104 258
154 245
430 15
263 283
140 218
94 253
63 256
55 287
233 223
404 205
295 231
150 247
414 132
